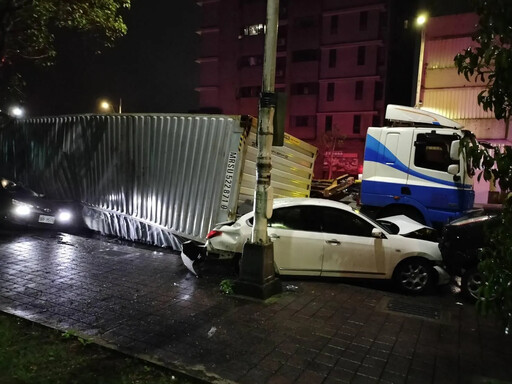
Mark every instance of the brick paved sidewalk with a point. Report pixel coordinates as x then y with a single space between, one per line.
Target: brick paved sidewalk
142 301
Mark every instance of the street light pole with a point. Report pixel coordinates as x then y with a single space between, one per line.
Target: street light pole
420 68
421 23
257 277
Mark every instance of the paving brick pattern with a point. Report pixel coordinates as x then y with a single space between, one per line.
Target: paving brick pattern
142 301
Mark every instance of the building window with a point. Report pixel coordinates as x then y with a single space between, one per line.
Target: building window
281 68
363 21
304 89
383 21
379 90
283 9
253 91
305 55
250 61
282 38
328 123
304 121
359 90
356 127
334 24
306 22
332 58
330 91
254 30
361 55
380 56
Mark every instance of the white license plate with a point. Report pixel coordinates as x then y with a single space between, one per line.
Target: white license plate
46 219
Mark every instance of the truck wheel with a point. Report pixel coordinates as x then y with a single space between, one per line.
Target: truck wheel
414 276
471 281
393 210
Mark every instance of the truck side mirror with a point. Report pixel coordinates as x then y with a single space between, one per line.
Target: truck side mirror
454 151
453 169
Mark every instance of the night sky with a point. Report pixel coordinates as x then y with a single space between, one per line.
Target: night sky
152 68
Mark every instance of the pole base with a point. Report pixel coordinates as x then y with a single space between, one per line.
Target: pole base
257 278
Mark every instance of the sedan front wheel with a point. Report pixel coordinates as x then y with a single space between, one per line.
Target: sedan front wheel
414 276
471 282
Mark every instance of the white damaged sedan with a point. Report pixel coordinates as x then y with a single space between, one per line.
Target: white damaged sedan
318 237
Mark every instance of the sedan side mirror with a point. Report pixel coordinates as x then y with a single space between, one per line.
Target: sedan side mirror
453 169
377 233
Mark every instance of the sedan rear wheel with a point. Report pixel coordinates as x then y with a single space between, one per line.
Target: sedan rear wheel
414 276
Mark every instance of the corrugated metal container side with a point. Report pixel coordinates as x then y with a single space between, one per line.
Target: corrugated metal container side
141 177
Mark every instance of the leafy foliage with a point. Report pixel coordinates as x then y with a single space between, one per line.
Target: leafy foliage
226 286
496 267
490 60
28 27
495 165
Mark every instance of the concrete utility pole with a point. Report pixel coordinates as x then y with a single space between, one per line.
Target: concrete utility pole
257 277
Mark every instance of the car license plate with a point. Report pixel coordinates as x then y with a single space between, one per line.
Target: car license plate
46 219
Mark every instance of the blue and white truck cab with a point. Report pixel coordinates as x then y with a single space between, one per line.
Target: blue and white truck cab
413 167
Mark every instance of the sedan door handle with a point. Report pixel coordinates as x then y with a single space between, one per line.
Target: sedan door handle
333 242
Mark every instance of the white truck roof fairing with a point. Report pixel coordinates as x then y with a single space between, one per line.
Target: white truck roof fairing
404 114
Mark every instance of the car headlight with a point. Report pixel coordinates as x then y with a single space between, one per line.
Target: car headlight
21 208
64 216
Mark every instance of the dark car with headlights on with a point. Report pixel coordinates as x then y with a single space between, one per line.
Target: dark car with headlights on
461 244
20 205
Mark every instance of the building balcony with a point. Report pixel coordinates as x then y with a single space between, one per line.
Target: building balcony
205 30
332 7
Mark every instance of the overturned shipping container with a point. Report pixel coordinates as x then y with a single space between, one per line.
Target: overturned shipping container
153 178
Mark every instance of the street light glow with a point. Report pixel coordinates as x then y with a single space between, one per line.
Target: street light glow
105 105
421 19
16 111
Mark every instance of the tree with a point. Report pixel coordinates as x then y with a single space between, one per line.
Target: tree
28 27
490 61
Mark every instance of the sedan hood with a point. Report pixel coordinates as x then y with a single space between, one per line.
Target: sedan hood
404 223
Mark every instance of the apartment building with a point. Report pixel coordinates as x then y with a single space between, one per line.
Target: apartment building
331 63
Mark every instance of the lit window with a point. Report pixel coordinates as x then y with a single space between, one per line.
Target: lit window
254 30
